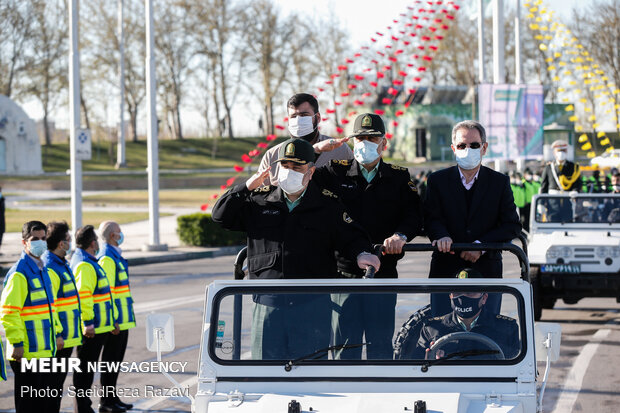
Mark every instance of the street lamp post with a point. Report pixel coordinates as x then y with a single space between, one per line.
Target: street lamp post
74 115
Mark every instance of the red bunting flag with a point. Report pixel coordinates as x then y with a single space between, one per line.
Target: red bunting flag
352 86
409 64
254 152
230 181
373 84
432 29
394 38
392 91
450 17
358 103
397 82
393 59
386 68
399 51
386 101
421 69
238 168
417 79
425 38
407 43
330 110
379 34
373 40
245 158
432 47
328 82
262 145
427 58
345 94
339 129
214 196
337 103
359 77
342 67
379 111
271 137
374 61
394 123
280 127
411 91
345 121
407 104
357 54
403 73
445 26
335 75
352 113
421 47
365 95
439 37
223 188
350 60
204 207
380 75
321 89
399 113
389 135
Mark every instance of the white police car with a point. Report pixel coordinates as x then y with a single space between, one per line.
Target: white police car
574 247
247 366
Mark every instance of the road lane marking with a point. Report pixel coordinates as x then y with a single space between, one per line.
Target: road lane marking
149 306
574 380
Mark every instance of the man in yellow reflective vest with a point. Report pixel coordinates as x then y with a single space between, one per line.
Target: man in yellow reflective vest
98 314
66 299
117 270
28 316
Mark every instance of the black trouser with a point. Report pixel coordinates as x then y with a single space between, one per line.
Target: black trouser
57 380
27 384
88 351
113 351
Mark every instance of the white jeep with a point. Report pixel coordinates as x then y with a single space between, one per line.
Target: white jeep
462 371
574 247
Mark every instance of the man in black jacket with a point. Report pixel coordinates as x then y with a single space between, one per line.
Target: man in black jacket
384 200
293 232
468 203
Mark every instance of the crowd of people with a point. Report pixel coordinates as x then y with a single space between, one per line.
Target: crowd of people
55 308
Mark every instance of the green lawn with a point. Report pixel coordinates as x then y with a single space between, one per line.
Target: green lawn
15 218
173 154
190 198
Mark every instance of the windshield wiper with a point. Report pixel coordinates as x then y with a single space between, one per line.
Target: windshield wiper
466 353
320 353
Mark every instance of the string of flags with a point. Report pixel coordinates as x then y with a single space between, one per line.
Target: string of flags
577 76
409 45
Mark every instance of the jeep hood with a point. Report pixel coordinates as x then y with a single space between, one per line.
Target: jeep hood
573 237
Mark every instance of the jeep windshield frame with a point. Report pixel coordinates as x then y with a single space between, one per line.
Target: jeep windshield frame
576 210
398 287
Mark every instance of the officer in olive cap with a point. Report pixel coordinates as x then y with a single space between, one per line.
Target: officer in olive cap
384 200
561 175
469 315
294 230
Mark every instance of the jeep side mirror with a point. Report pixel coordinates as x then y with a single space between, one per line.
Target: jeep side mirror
547 337
160 332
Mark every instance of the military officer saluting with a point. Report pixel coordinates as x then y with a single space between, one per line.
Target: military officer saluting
293 231
384 200
561 175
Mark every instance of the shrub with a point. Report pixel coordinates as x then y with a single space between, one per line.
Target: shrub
199 230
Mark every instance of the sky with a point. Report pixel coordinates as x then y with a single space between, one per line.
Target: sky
362 18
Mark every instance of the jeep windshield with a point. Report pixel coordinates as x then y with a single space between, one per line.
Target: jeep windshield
578 209
292 325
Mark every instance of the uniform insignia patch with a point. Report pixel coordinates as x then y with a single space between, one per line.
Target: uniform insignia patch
366 122
329 193
398 168
342 162
462 275
412 186
266 188
290 150
346 218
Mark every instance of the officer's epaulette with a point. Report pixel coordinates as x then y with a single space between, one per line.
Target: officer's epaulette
503 317
329 193
438 318
399 168
341 162
265 188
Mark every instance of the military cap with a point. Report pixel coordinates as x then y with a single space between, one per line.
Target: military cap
296 150
368 124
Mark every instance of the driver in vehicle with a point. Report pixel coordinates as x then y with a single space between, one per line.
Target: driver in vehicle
469 315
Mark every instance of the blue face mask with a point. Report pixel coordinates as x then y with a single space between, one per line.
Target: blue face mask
468 158
365 152
38 247
121 239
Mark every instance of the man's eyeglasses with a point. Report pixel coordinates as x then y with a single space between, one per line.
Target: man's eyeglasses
473 145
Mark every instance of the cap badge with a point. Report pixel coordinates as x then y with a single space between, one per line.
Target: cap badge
462 275
346 218
366 121
290 149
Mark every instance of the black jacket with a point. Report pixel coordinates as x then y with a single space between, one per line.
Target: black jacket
547 180
388 204
296 244
501 329
490 217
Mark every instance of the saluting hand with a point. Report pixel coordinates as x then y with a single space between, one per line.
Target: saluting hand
393 245
443 244
257 179
329 145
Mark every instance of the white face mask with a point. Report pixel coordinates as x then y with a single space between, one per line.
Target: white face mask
301 126
290 181
616 188
365 152
468 158
560 156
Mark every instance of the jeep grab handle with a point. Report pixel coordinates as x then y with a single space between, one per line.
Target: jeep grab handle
492 246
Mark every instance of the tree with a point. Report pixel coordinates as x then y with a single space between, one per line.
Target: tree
267 38
46 67
15 30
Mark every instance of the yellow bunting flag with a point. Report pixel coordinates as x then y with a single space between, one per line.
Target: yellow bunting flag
586 146
600 134
569 108
591 154
583 138
605 141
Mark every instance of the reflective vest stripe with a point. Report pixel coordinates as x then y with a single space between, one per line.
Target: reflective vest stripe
130 309
120 317
101 298
46 330
13 307
37 313
35 307
76 323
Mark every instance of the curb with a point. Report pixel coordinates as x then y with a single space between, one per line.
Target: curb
172 257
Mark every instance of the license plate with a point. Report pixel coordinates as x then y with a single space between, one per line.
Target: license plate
561 268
